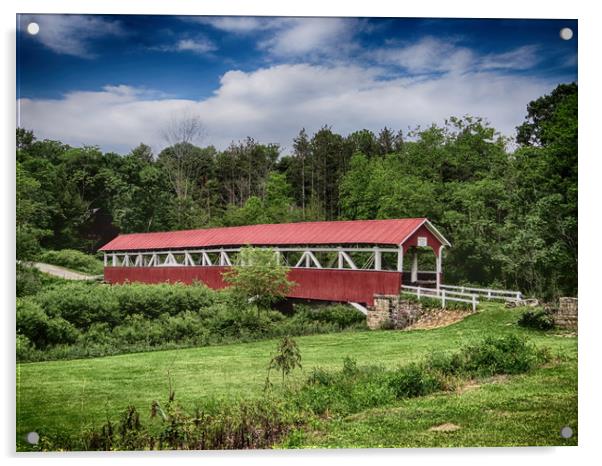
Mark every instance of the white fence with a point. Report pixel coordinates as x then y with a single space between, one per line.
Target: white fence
505 295
442 294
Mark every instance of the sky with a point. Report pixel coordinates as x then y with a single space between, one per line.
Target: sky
115 81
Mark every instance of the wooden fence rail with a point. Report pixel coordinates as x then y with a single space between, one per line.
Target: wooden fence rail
442 294
489 293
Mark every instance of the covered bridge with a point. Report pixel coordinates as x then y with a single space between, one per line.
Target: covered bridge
346 261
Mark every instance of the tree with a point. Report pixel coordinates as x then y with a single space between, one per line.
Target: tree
27 233
180 158
330 156
143 152
259 277
286 359
540 112
544 195
364 142
301 146
385 141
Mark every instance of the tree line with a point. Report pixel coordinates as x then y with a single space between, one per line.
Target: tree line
508 207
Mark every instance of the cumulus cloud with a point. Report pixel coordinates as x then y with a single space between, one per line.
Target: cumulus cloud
72 34
291 37
272 104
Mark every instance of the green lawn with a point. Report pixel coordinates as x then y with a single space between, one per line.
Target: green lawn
66 396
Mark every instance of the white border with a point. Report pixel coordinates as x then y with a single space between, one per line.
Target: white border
590 194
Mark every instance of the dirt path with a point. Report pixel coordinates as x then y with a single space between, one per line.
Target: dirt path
62 272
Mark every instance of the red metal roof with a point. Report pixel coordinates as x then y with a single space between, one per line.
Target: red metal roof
390 232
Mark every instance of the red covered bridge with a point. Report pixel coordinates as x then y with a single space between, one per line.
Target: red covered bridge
346 261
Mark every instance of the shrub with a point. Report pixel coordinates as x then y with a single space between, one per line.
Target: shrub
537 319
504 355
246 425
138 330
414 380
33 323
346 391
25 350
340 315
75 260
99 333
28 280
82 304
449 364
98 319
320 376
164 298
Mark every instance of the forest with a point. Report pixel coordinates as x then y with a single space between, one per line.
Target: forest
508 206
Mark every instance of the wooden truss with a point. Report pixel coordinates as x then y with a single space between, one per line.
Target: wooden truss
330 258
371 258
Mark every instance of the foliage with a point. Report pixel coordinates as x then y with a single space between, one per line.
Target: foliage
259 277
34 324
511 215
91 319
249 424
286 359
414 380
28 280
538 319
505 355
259 424
536 402
340 315
72 259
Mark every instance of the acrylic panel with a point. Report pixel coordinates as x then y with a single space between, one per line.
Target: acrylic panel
239 232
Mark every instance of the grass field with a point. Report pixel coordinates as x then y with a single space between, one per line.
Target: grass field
530 409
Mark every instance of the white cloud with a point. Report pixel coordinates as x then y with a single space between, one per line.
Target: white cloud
273 104
432 54
427 55
71 34
521 58
290 37
239 24
300 36
199 46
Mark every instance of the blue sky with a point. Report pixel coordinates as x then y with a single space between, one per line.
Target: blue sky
115 81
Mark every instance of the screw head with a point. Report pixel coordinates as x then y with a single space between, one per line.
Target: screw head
566 432
33 28
566 33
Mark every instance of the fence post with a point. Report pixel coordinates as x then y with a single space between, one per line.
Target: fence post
474 303
488 294
418 293
443 299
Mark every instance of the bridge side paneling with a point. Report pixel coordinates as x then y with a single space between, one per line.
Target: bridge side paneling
321 284
343 285
211 276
